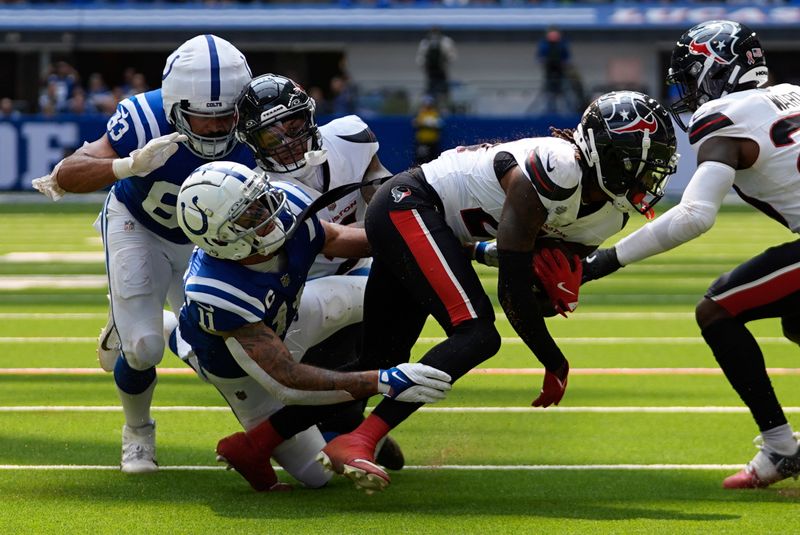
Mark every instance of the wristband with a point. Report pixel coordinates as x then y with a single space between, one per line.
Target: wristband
121 167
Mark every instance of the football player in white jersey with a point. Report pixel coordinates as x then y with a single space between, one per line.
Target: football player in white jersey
243 287
152 143
276 119
744 134
419 221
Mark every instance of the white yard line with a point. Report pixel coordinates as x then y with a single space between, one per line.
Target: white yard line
437 410
588 316
27 282
610 340
51 257
454 467
587 340
477 371
52 315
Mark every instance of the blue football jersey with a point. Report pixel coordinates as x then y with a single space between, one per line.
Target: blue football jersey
223 295
152 199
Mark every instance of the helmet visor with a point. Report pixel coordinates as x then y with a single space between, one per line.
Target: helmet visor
284 141
650 187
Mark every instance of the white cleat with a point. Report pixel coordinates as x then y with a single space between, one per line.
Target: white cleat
108 345
139 449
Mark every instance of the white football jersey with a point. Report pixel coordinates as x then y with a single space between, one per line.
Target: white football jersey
470 190
350 146
771 117
591 227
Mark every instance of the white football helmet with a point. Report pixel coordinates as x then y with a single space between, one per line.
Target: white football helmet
203 78
233 212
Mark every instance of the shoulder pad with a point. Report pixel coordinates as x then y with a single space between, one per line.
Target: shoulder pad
701 127
350 128
551 174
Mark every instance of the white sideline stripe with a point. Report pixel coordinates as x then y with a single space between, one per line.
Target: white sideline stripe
610 340
607 340
455 467
52 315
589 316
595 316
438 410
52 281
48 258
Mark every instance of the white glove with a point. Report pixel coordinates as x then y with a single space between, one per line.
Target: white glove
414 383
143 161
48 184
485 252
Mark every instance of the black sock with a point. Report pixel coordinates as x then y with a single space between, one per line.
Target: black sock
292 419
742 362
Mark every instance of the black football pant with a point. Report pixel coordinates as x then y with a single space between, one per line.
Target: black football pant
766 286
419 269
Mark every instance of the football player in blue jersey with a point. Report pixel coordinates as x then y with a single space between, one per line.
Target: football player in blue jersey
243 288
277 120
152 143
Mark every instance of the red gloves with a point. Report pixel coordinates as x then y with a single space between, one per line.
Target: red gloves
555 384
559 279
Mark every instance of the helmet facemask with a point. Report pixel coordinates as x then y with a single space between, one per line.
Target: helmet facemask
281 145
208 147
233 212
255 221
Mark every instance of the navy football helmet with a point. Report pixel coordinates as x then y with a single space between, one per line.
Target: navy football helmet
713 59
276 120
629 140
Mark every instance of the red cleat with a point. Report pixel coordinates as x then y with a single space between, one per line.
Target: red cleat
766 468
239 452
745 478
350 456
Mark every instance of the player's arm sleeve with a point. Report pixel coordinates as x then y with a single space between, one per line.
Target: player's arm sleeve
693 216
264 356
522 217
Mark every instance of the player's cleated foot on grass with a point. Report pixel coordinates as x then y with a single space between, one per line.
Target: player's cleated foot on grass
390 455
139 449
239 452
766 468
349 456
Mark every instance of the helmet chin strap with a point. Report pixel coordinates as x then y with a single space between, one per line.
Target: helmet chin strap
316 158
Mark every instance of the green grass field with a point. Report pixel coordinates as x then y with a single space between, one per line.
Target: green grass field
640 444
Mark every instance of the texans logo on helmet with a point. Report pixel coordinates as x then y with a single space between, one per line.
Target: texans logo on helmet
626 118
715 41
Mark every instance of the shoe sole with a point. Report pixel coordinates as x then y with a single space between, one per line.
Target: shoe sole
143 469
366 481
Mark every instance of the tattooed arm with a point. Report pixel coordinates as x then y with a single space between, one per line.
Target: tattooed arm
263 355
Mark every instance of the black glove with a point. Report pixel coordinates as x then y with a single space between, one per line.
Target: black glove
599 264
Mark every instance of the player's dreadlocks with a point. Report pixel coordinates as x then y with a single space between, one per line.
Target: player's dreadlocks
566 135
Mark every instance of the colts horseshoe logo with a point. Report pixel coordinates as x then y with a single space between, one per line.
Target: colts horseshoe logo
203 227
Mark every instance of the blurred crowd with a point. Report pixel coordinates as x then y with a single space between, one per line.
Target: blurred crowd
64 91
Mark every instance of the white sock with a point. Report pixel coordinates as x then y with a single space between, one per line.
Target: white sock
780 440
137 406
